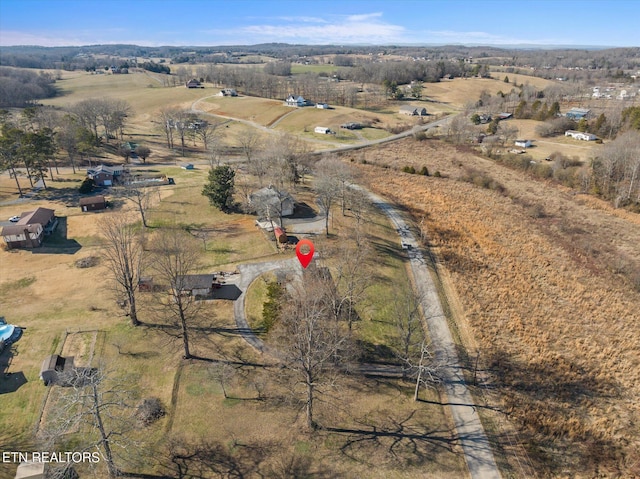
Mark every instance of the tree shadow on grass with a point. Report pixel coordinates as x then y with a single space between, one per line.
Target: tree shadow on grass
553 401
402 440
205 459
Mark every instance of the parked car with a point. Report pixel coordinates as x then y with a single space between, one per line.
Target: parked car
14 219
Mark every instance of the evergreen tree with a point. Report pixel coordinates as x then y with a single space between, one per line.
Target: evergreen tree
219 188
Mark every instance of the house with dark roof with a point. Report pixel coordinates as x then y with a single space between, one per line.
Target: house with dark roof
30 229
195 284
271 203
193 83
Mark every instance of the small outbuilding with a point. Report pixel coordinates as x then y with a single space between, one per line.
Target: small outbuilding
57 370
228 92
523 143
281 235
93 203
322 106
323 130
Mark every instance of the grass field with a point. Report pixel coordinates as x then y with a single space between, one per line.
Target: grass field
258 110
71 310
298 68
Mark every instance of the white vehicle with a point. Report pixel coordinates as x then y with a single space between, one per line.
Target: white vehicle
14 219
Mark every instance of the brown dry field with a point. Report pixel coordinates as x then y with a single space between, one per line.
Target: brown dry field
557 327
457 92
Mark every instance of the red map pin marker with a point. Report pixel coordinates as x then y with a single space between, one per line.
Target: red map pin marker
304 259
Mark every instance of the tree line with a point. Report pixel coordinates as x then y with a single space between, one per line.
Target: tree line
20 88
31 140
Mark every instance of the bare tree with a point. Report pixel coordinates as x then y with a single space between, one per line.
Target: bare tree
409 337
141 198
88 114
249 144
124 254
175 256
100 408
143 152
352 276
459 129
167 120
327 187
181 123
428 370
207 132
313 345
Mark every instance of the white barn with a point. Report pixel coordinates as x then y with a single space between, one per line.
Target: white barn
323 130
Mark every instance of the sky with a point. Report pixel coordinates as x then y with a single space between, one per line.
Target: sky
247 22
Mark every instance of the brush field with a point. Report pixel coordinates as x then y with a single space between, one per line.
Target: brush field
544 285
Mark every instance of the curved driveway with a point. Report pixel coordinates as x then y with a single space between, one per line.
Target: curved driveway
469 430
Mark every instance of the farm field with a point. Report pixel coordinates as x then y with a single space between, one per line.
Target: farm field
258 110
458 92
534 282
72 310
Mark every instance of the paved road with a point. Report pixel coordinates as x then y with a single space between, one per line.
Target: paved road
470 432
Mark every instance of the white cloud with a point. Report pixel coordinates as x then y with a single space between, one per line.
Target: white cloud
363 17
364 28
